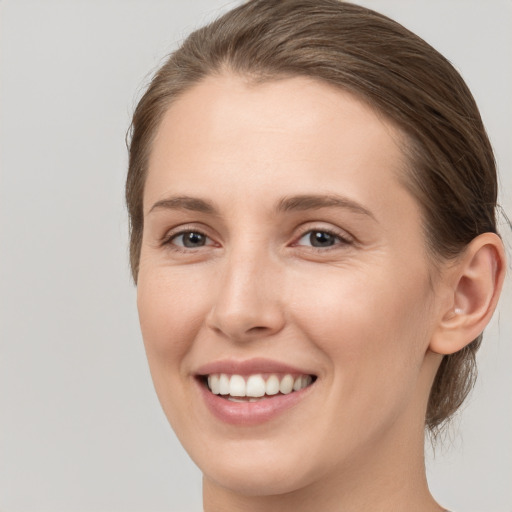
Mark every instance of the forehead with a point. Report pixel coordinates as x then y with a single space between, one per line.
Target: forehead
228 137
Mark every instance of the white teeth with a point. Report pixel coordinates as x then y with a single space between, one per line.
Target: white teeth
255 386
213 383
223 384
242 401
286 385
272 385
237 385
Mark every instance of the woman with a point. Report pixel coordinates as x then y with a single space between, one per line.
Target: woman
312 201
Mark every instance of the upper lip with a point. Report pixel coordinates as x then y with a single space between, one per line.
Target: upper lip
249 367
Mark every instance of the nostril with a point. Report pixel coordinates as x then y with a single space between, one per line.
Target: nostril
258 329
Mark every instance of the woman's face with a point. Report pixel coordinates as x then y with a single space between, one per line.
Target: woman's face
280 248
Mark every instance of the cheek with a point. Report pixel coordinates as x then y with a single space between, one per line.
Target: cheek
171 311
372 326
373 334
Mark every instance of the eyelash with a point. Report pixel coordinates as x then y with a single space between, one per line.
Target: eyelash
169 238
342 240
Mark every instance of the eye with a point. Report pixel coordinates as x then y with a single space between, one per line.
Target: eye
321 238
190 239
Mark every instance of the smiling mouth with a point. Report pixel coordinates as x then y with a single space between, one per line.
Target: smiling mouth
256 387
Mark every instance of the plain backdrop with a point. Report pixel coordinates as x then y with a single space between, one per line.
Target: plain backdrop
81 429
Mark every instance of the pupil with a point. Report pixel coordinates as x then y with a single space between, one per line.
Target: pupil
193 239
321 239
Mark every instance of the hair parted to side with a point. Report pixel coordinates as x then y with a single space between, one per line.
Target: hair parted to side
452 171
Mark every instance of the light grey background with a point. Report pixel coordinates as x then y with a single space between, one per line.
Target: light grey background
81 429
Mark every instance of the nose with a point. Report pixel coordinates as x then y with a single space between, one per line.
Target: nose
247 303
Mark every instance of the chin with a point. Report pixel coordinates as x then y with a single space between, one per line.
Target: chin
257 478
261 467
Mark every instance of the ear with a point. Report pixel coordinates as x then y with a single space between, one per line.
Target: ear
474 284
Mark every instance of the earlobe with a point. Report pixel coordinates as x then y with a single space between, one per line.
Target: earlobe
475 281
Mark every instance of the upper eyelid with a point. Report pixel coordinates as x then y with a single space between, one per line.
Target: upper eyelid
181 233
181 229
338 232
303 230
328 231
167 241
341 242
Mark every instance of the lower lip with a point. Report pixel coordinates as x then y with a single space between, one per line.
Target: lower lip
251 413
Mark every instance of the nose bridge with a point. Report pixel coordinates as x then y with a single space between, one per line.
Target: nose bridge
247 301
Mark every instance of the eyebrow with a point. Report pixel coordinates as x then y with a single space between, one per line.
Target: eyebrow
286 204
185 203
315 202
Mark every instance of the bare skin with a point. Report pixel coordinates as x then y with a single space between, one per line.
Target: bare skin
276 226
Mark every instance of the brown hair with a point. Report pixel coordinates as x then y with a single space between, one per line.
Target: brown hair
452 169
